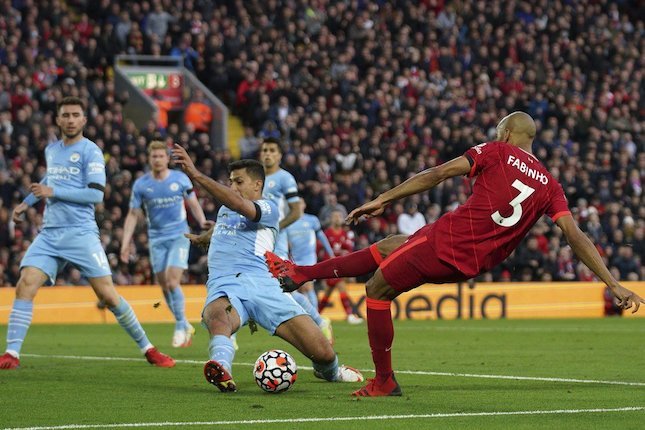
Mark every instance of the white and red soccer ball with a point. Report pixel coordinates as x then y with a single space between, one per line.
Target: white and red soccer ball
275 371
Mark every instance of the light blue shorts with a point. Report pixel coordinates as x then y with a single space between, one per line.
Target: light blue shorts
281 248
172 252
258 297
53 248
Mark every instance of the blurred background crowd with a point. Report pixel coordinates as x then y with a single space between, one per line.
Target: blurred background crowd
363 93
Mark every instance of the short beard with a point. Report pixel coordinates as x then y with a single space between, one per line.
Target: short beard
72 136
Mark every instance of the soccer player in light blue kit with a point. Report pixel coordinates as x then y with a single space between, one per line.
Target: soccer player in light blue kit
240 286
74 183
281 188
302 236
162 192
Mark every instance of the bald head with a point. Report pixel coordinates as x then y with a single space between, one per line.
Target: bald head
517 129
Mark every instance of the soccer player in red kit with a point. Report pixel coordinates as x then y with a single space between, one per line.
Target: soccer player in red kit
512 191
342 243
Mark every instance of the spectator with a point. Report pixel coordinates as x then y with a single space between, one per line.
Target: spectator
411 220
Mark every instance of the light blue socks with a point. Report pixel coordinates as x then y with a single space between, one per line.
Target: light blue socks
19 322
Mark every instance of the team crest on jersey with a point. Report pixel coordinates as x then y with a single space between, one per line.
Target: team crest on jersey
271 184
75 157
174 186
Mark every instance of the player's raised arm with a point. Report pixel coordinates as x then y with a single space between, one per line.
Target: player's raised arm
221 193
422 181
587 252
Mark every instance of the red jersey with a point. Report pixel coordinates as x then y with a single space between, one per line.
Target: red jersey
340 240
512 191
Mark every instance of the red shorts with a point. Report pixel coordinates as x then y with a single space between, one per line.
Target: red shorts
415 263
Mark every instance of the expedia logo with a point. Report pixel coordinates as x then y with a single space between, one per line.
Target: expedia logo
75 157
463 304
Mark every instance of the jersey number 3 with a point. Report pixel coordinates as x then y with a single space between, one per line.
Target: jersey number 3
516 204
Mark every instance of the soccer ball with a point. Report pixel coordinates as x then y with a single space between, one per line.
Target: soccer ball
275 371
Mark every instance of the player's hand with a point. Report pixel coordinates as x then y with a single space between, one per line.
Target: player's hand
368 210
627 298
206 225
202 241
124 255
41 191
181 157
19 211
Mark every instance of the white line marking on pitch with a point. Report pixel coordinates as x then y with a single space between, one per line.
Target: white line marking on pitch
332 419
402 372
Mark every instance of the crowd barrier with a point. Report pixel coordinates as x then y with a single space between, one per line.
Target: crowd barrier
65 305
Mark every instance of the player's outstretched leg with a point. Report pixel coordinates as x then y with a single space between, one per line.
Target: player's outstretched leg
302 333
332 372
324 324
128 320
355 264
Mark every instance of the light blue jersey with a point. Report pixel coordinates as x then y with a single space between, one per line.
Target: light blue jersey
302 236
281 188
163 201
77 175
238 244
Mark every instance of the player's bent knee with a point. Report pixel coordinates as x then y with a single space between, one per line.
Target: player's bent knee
30 280
378 289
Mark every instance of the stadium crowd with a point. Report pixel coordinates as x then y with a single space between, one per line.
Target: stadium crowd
363 94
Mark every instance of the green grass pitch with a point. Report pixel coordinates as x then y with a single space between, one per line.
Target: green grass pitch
578 374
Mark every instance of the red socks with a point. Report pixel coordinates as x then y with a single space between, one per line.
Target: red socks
381 334
344 299
322 303
355 264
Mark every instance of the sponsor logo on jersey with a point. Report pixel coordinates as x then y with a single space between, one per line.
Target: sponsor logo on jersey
75 157
95 167
63 170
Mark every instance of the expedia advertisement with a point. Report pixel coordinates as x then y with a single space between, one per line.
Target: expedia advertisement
491 301
67 305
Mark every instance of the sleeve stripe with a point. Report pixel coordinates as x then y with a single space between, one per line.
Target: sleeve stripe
189 191
96 186
555 217
472 170
290 195
258 213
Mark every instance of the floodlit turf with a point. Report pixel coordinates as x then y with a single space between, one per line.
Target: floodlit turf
459 383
